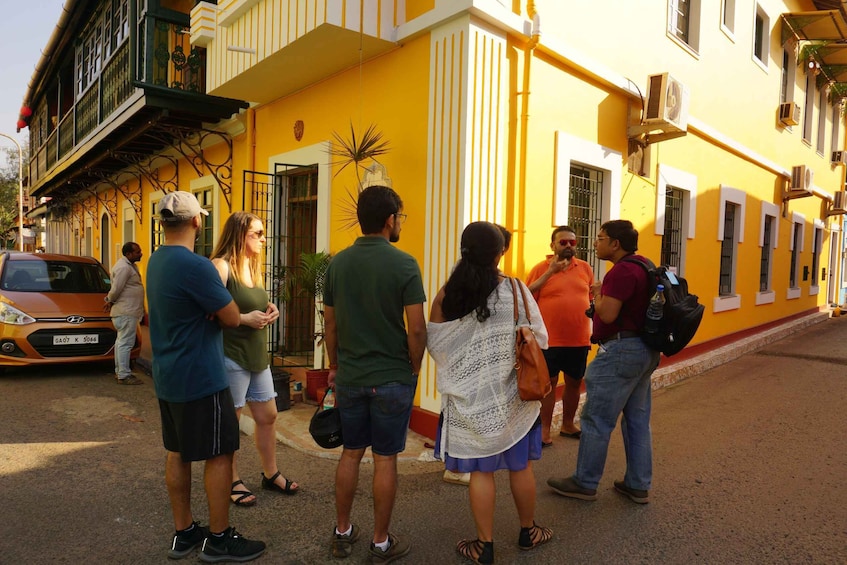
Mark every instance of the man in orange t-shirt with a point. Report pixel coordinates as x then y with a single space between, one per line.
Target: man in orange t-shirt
561 285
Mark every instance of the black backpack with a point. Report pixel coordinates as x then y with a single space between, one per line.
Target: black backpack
682 312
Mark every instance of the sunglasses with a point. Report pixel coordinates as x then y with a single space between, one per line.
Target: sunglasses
259 234
571 242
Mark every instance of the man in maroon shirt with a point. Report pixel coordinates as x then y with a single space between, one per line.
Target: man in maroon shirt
618 379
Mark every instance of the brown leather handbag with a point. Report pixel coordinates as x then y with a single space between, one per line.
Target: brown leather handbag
530 366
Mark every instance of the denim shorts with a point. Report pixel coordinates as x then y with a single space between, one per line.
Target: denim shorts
375 416
249 386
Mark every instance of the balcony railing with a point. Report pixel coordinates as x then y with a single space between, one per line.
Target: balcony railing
165 58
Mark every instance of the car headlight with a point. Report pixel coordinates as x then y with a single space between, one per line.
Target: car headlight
11 315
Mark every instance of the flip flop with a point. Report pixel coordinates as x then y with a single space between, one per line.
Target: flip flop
270 484
575 435
546 444
241 494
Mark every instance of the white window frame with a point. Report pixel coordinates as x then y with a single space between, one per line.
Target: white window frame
817 249
798 221
202 184
692 43
809 108
728 18
835 141
764 43
821 138
152 199
768 210
789 71
738 197
571 149
127 217
687 183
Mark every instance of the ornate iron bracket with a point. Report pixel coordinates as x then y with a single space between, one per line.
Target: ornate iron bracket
108 199
142 165
189 143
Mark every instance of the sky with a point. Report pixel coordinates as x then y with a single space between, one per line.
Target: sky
25 27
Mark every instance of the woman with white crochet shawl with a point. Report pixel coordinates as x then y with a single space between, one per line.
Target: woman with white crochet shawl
484 425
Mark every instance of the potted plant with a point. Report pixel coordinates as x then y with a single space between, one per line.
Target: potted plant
310 275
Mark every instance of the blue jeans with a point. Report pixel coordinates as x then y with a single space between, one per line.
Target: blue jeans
126 326
618 380
375 416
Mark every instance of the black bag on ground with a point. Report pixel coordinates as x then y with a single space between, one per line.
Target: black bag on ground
325 427
682 312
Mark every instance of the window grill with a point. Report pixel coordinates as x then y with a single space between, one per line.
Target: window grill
795 250
727 251
585 205
672 238
816 256
765 263
286 201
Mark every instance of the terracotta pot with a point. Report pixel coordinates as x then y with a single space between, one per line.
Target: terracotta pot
315 379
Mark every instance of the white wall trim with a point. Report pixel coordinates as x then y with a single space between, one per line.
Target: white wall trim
311 155
726 303
766 297
736 196
571 149
798 218
769 209
682 180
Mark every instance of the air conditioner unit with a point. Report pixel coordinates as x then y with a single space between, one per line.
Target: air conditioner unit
839 157
789 114
839 204
802 178
667 102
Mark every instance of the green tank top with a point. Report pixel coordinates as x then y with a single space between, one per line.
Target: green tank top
246 346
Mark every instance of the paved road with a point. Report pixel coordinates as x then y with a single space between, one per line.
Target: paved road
750 466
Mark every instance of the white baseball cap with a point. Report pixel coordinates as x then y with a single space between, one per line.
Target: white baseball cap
179 205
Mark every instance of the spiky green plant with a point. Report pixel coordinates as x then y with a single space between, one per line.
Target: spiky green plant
354 150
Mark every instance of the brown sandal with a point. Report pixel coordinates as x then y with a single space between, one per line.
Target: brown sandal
534 536
480 552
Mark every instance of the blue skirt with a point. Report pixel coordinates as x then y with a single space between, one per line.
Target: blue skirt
516 458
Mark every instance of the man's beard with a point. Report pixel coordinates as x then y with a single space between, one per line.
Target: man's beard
565 253
394 237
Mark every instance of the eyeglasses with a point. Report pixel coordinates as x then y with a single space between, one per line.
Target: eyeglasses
571 242
259 234
401 217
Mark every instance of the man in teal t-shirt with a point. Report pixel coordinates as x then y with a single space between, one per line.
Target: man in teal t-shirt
188 307
374 362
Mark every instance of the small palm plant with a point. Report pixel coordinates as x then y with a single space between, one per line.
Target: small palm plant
310 278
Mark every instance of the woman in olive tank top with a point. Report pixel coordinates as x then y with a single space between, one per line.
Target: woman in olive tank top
237 257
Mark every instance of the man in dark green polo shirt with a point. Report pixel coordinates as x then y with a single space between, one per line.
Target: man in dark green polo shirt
374 362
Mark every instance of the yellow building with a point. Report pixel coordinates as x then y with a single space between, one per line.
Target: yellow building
715 126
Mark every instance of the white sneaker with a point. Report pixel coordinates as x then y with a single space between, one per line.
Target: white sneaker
457 478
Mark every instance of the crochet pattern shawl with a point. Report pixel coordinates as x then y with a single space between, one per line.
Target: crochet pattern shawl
483 414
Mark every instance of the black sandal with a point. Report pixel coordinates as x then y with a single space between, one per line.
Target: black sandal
241 494
270 484
480 552
534 536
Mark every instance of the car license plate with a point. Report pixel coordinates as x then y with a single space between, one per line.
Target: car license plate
81 339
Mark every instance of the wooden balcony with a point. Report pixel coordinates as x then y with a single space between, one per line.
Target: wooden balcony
153 81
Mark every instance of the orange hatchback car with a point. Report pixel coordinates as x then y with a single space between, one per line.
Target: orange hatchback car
51 310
